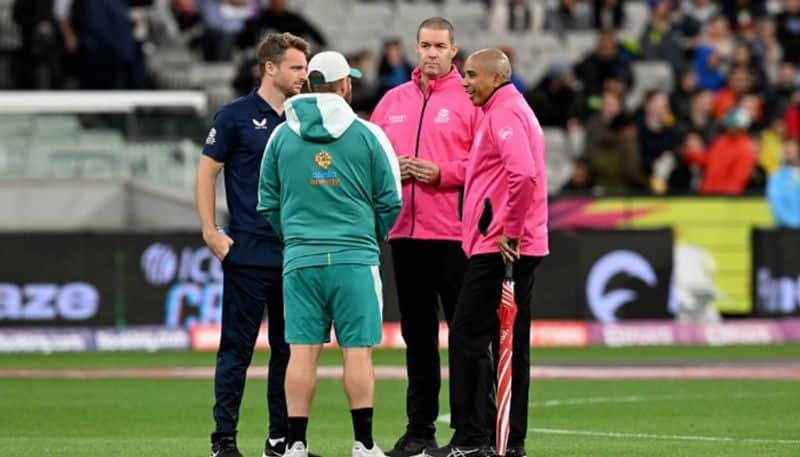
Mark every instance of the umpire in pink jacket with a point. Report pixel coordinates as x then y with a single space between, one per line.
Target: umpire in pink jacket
507 168
430 122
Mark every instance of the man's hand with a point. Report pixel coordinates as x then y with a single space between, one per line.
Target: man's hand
219 243
509 254
425 171
405 164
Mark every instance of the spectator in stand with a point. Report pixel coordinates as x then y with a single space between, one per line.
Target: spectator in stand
740 82
223 21
248 76
787 24
277 17
699 119
766 49
743 57
604 63
700 11
791 116
393 68
99 33
613 162
712 56
520 16
597 126
659 40
693 14
783 188
184 12
778 94
555 98
610 159
771 144
753 103
363 93
679 98
565 17
459 60
37 66
728 164
608 14
744 14
658 142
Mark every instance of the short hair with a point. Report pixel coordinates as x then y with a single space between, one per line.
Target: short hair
438 23
330 87
274 46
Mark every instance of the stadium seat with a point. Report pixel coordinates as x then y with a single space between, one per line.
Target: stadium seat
51 125
558 158
649 75
636 16
204 75
579 44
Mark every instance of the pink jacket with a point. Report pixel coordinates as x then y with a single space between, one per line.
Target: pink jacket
507 166
437 126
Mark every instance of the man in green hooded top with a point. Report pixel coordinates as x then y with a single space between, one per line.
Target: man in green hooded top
330 187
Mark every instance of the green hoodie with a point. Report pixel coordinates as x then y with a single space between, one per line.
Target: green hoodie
329 184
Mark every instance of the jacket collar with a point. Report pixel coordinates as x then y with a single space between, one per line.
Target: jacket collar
502 92
453 77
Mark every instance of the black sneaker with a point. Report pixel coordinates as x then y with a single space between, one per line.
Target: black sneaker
510 452
225 446
274 451
279 449
409 446
457 451
516 452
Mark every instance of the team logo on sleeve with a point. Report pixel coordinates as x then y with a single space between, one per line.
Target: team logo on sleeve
324 177
505 133
260 125
212 136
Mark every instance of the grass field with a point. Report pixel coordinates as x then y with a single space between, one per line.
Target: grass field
172 417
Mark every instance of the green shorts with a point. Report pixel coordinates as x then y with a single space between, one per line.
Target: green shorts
349 296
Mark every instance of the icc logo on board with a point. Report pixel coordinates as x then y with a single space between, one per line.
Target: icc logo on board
194 280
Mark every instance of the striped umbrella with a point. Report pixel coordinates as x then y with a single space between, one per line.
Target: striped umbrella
506 313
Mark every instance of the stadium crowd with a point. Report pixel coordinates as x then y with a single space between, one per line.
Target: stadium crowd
723 129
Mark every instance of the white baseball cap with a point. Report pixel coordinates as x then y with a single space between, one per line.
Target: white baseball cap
333 67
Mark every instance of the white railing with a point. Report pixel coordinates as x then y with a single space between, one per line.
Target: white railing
99 101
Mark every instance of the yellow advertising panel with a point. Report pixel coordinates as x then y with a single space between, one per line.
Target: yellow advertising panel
718 227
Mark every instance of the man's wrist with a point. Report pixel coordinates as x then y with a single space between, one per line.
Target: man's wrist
209 230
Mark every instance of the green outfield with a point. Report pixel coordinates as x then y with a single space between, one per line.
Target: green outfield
171 417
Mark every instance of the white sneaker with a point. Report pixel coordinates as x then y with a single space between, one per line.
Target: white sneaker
298 449
359 450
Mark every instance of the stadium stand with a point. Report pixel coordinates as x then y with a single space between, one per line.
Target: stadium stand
169 36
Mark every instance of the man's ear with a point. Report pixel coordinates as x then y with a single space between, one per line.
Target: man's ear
269 68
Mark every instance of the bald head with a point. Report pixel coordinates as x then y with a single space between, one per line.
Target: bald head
485 71
492 61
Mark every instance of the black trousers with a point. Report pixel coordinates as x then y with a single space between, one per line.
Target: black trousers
427 272
473 343
246 292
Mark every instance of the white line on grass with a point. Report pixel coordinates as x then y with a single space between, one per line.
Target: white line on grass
641 398
648 436
445 418
629 399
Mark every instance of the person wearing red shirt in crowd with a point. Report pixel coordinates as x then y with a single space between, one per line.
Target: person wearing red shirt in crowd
729 162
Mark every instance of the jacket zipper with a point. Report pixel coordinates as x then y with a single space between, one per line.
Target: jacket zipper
416 155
